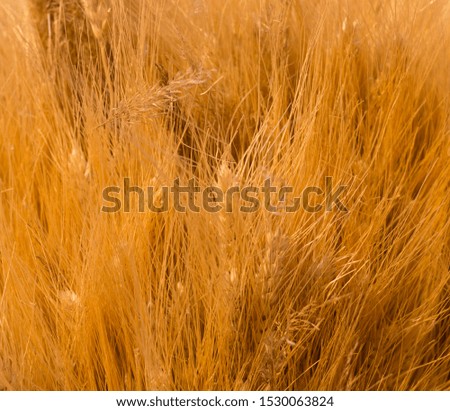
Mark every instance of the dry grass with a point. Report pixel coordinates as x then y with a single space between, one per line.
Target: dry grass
93 91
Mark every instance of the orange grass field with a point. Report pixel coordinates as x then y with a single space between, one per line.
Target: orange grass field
225 92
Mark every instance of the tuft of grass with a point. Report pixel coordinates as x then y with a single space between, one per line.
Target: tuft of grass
226 93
